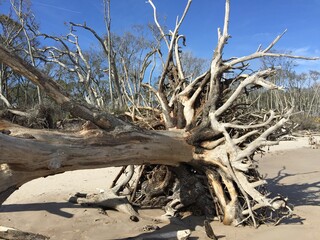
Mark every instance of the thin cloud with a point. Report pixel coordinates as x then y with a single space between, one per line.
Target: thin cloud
55 7
306 51
306 65
303 51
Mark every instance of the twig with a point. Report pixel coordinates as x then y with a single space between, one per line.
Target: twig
118 176
136 183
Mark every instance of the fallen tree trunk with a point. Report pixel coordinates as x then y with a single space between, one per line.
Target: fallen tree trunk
51 152
219 136
118 143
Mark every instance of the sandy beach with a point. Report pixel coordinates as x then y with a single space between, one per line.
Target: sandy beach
41 206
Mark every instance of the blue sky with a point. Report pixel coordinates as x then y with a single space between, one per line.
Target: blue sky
252 22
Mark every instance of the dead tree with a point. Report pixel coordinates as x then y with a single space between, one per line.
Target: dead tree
26 21
209 132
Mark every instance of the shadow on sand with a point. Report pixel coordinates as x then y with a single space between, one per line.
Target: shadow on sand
299 194
51 207
307 193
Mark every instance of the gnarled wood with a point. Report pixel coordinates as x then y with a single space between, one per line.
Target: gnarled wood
216 137
52 152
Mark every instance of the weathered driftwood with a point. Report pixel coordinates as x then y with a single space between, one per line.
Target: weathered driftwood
15 234
52 152
216 135
179 235
209 230
123 144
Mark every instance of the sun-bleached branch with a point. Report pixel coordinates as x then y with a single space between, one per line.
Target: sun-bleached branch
155 18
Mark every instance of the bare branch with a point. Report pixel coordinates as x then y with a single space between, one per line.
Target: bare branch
5 100
265 53
178 60
256 78
274 41
105 120
268 121
157 23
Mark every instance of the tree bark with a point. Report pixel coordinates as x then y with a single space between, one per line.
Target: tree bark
220 135
118 143
49 152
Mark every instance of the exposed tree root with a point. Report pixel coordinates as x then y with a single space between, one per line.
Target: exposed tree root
106 200
110 198
179 189
206 156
